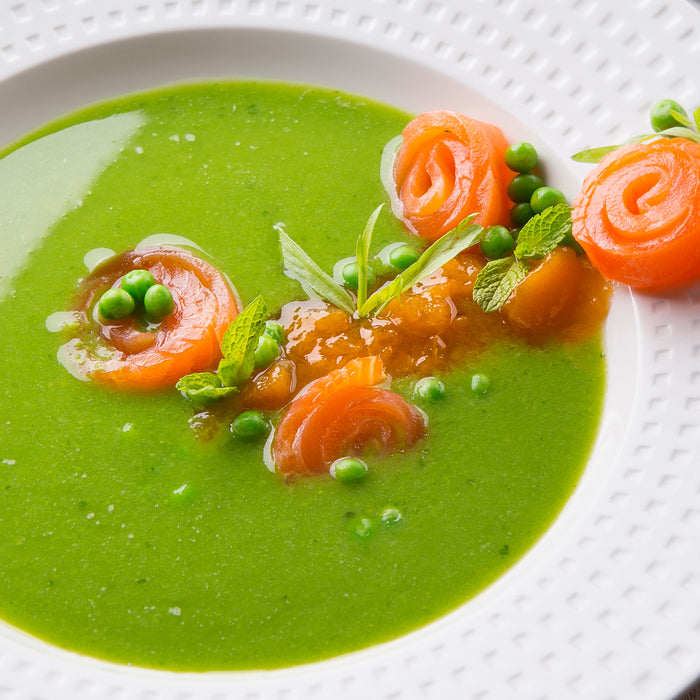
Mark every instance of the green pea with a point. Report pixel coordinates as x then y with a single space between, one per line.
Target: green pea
403 256
546 197
480 383
521 187
275 330
390 515
266 352
249 425
521 157
363 527
115 304
158 302
661 117
497 242
430 388
348 470
137 283
521 213
350 273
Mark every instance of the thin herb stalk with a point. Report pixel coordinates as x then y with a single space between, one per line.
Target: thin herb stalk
362 247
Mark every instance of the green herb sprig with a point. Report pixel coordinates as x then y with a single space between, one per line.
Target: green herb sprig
238 349
300 266
681 127
463 236
537 238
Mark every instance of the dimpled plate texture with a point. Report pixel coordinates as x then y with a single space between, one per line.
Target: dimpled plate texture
607 604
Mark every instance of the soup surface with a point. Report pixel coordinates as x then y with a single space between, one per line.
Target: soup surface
126 536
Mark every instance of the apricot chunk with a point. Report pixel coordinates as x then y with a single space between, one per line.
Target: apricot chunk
540 299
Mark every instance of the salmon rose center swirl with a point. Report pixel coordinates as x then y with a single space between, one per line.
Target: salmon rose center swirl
638 214
188 340
447 167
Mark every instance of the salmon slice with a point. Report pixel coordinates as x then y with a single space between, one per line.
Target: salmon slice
186 341
344 413
448 167
638 214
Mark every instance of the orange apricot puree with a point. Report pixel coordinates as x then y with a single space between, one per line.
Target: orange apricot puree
565 293
432 325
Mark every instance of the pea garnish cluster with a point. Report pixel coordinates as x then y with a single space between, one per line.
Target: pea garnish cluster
138 291
530 196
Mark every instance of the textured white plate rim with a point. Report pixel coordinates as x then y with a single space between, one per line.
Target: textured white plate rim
25 32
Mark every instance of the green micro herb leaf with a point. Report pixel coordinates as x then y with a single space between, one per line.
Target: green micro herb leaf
299 266
464 235
496 282
537 238
544 232
696 117
203 388
362 254
228 372
238 348
239 343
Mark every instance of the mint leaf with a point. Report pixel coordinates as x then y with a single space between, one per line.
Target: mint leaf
238 348
496 282
462 236
240 340
200 380
362 254
228 372
203 388
544 232
299 266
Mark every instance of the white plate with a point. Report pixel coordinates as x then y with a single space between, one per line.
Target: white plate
607 605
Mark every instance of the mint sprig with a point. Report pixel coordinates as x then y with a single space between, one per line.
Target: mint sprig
687 129
203 387
544 232
238 349
300 266
538 237
239 343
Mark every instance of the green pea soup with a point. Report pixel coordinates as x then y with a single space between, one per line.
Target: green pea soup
124 535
